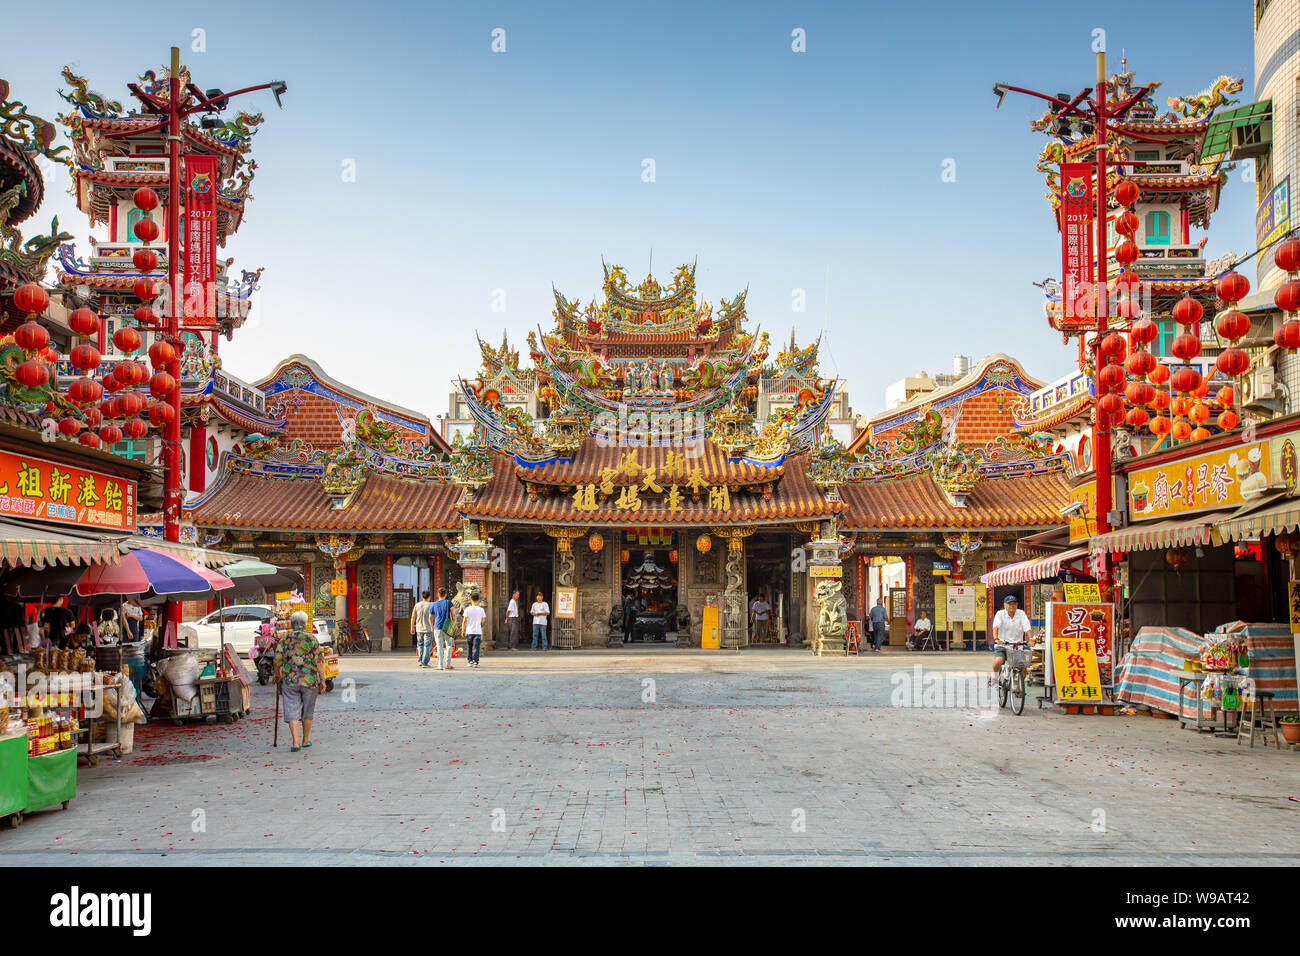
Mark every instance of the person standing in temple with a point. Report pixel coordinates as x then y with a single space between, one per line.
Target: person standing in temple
512 622
879 618
541 612
629 618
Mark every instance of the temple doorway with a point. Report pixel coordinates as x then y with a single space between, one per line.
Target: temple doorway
767 576
529 565
649 579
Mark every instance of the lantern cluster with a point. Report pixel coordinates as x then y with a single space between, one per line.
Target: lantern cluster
32 337
1287 297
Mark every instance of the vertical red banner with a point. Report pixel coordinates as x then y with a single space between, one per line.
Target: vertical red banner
1078 266
201 179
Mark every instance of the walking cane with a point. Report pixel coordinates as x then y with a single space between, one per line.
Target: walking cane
275 741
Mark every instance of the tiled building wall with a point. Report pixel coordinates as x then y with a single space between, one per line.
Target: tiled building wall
986 417
318 420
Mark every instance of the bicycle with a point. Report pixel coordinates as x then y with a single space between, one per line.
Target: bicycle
351 636
1013 678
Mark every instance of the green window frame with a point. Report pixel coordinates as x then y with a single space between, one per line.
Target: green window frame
1158 228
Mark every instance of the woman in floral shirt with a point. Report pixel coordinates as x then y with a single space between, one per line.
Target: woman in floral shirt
298 664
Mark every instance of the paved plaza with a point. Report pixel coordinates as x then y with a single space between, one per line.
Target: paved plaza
672 757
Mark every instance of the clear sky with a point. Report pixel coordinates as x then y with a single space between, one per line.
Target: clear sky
479 171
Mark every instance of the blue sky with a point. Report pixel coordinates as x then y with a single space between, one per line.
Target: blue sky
479 171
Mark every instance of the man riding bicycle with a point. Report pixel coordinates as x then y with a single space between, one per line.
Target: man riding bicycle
1010 628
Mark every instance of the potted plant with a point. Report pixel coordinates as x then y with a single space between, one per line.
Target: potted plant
1290 724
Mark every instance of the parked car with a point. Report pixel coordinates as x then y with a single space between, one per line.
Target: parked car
242 623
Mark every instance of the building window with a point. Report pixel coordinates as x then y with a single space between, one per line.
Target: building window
212 454
132 217
1157 229
1147 155
135 449
1165 341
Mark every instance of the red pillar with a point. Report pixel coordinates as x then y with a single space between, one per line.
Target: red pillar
198 458
352 590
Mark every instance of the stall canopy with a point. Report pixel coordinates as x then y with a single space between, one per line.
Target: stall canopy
31 545
1173 533
145 571
1275 518
204 556
1022 572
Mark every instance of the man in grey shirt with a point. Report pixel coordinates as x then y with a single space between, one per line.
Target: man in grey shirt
879 617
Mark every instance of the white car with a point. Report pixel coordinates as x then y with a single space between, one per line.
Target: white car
242 624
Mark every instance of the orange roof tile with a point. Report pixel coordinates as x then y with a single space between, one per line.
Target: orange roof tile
916 503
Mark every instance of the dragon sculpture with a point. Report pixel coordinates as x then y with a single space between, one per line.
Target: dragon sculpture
242 127
371 431
28 258
45 398
1205 102
832 616
87 100
237 186
34 133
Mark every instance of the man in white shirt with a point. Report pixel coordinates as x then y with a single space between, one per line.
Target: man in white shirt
512 622
471 623
541 612
920 628
1010 628
759 614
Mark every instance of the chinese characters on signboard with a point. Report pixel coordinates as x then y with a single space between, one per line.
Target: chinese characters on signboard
1083 522
1080 642
1220 479
35 488
674 482
1078 266
201 179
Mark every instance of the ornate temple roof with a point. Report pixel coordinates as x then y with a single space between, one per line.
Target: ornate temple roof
593 458
915 503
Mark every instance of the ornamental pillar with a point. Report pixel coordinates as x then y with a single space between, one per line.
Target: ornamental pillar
564 631
474 555
336 547
825 579
734 616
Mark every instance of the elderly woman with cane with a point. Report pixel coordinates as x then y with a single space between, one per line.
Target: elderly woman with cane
299 662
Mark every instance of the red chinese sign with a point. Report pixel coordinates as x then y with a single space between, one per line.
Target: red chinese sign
1078 265
34 488
1081 643
201 178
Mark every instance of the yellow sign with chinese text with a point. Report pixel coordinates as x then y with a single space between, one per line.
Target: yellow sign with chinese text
1082 592
1219 479
44 490
1083 522
339 587
1080 637
825 571
1293 602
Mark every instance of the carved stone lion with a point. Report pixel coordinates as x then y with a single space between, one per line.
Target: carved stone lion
832 616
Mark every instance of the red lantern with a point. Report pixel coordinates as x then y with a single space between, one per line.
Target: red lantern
129 403
1232 325
161 354
89 439
1200 433
1126 252
1228 421
595 542
1126 192
1113 347
1160 425
1181 431
130 374
32 374
1287 296
1127 308
146 260
145 289
1137 417
111 384
31 336
146 316
1160 401
1139 393
146 230
162 385
1199 413
1226 397
135 428
69 427
1112 405
1186 346
145 199
1129 282
1185 379
1176 557
1233 287
1287 255
30 298
1180 407
1158 375
1202 390
1187 310
1232 362
1111 377
84 357
112 408
1140 362
160 413
126 339
83 391
1288 335
94 417
110 434
703 543
83 321
1144 331
1126 223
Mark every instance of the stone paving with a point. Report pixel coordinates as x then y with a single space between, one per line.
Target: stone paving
673 757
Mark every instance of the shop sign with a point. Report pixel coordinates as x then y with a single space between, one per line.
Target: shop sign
1219 479
1082 592
1288 464
1273 216
1080 641
1078 258
566 603
1293 602
677 479
825 571
339 587
35 488
1083 521
941 569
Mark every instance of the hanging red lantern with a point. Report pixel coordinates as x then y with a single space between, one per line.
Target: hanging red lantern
1287 296
1228 420
94 417
1232 325
111 407
1185 379
1187 310
129 403
1127 308
1126 252
1186 346
703 543
1140 362
145 289
595 542
146 316
162 385
161 354
84 357
110 434
1113 347
1143 332
30 298
1200 433
69 427
83 391
83 321
1199 413
1180 407
1138 393
1232 362
146 260
31 336
1287 335
145 199
1126 223
1158 375
1129 282
1287 255
111 384
32 374
1126 192
1112 405
1233 287
1225 397
1181 431
1160 425
1137 417
1160 401
135 428
130 374
1202 390
1111 377
127 340
146 230
1176 557
160 413
89 439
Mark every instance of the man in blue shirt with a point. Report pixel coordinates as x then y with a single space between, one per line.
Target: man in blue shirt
879 617
443 634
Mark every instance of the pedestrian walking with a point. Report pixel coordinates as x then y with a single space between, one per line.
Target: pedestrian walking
422 627
512 622
133 613
541 612
299 675
444 629
879 617
471 623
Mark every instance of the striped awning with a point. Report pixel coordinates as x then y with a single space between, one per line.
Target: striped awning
1276 518
204 556
1172 533
34 546
1022 572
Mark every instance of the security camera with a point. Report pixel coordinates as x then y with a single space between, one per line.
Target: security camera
1073 508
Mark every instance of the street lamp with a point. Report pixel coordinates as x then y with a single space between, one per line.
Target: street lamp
171 113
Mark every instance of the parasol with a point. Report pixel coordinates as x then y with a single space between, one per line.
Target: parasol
151 572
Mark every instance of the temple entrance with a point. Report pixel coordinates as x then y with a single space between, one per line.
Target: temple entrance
649 579
530 565
767 576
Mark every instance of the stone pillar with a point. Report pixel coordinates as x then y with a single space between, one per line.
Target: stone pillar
825 571
565 631
734 617
475 557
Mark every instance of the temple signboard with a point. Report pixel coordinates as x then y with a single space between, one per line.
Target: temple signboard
1078 266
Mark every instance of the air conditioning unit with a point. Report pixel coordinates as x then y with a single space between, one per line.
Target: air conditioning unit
1260 385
